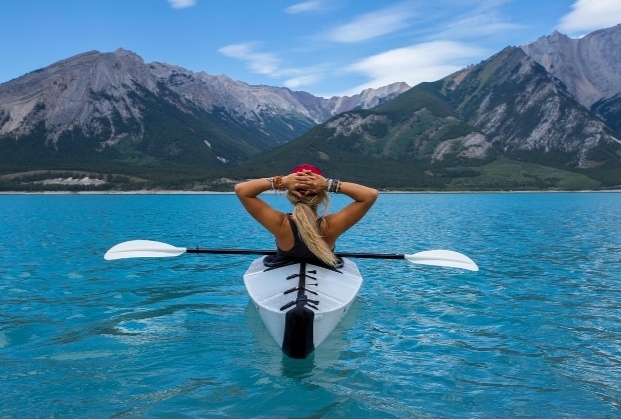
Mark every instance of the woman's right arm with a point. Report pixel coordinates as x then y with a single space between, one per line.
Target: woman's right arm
248 194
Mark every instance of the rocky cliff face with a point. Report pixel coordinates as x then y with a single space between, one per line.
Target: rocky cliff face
521 107
589 66
61 95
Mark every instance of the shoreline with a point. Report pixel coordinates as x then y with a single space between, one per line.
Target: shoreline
387 192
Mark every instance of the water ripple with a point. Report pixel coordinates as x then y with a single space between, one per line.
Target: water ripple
535 333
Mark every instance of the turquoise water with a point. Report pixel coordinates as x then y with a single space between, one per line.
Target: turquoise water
535 333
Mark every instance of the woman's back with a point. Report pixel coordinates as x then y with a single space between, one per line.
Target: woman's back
307 190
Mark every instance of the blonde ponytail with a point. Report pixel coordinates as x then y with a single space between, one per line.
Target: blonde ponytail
304 212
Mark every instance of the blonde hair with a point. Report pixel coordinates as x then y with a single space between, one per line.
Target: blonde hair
304 213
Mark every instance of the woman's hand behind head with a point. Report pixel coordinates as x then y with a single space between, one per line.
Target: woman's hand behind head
304 182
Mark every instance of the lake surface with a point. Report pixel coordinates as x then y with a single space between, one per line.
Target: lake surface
535 333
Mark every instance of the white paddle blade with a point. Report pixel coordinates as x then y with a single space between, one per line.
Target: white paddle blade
446 258
142 249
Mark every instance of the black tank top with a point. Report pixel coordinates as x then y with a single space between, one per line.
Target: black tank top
299 251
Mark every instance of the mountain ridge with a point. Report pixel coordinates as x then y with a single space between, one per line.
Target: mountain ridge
455 133
101 71
509 122
108 97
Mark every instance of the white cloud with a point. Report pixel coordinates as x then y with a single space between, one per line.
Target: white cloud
182 4
258 62
371 25
475 25
307 6
270 65
589 15
429 61
305 80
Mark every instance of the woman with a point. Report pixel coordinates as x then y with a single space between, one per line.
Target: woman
305 234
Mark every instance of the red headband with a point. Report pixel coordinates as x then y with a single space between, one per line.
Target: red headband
310 167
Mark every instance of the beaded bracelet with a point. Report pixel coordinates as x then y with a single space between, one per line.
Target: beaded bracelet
333 185
278 185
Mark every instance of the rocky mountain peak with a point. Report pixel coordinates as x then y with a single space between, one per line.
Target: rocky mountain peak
61 95
588 66
96 93
367 99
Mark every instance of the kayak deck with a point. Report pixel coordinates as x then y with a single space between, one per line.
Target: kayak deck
301 303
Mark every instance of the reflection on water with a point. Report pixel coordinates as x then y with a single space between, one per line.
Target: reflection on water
276 363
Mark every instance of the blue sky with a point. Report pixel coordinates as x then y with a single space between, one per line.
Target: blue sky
324 47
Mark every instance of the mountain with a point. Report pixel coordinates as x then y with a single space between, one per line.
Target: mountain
541 116
111 109
588 67
504 123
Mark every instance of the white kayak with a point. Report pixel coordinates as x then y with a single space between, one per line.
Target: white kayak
301 303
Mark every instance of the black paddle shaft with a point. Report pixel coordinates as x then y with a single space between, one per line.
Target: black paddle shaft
273 252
